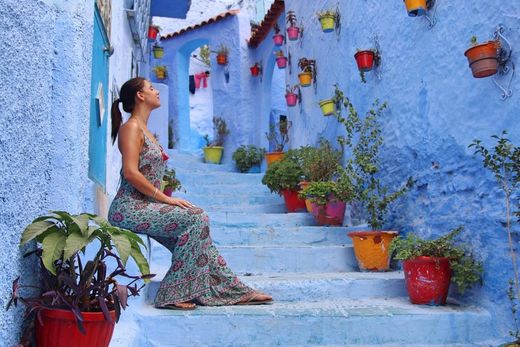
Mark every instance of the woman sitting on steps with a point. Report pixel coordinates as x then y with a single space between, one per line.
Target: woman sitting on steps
198 273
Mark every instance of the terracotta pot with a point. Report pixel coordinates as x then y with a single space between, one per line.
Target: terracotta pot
59 329
292 202
416 7
371 249
213 154
483 59
152 33
221 59
328 107
271 157
278 39
281 62
158 52
305 79
255 70
293 33
308 203
291 99
364 60
330 214
327 23
427 280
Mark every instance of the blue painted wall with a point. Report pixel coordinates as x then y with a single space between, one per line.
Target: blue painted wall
46 55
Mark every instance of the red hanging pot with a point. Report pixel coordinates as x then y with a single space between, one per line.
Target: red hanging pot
255 70
291 99
364 60
293 33
281 62
278 39
221 59
59 329
292 202
152 33
427 280
483 59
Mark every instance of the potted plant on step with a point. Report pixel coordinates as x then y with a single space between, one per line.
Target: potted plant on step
279 134
222 54
430 265
308 72
483 57
329 20
293 31
158 51
170 183
153 31
292 95
281 59
79 300
161 71
277 37
370 247
282 177
214 149
248 158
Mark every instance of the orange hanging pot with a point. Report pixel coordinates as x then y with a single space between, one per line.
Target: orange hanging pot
222 59
483 59
371 249
416 8
305 78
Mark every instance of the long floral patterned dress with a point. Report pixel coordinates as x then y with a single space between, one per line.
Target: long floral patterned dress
198 272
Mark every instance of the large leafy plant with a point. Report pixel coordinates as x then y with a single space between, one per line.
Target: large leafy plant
71 282
319 164
283 174
320 192
246 157
466 270
364 139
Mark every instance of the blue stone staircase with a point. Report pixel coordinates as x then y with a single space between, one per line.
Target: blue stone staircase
320 297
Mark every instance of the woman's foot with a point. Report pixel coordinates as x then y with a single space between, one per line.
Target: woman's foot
180 306
256 298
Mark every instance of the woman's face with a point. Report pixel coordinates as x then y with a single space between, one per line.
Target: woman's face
150 95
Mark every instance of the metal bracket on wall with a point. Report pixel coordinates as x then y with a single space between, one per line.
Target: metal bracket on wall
505 63
432 11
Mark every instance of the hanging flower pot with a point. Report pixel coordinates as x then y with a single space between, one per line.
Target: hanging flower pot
305 78
293 33
330 214
427 280
281 62
292 202
272 157
328 107
371 249
291 99
213 154
483 59
365 60
153 30
158 52
59 329
160 72
278 39
416 7
222 59
327 22
255 70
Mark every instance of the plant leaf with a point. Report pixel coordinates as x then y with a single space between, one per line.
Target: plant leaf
52 246
123 246
74 243
82 222
122 295
140 260
35 229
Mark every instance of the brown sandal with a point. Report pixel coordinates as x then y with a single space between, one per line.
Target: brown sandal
177 307
251 300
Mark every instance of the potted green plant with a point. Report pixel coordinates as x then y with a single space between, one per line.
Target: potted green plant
282 177
503 160
430 265
248 158
279 134
308 72
483 57
170 183
79 299
214 149
161 71
222 54
158 51
370 247
329 20
293 31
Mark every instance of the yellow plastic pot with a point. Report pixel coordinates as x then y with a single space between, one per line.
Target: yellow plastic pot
305 79
160 74
327 23
416 7
327 107
213 154
371 249
158 52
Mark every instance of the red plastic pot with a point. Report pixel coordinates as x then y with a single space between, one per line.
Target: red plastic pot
427 280
278 39
281 62
59 329
293 33
364 60
255 70
330 214
168 191
152 33
292 202
291 99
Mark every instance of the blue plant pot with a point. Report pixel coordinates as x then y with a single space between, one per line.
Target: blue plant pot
254 169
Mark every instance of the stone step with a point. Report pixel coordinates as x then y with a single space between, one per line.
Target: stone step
251 209
214 179
255 220
316 286
231 199
275 259
227 189
349 322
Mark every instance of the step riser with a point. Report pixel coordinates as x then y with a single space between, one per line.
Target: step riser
251 220
315 290
209 180
231 201
229 190
270 208
278 259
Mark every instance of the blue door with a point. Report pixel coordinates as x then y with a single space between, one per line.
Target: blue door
98 104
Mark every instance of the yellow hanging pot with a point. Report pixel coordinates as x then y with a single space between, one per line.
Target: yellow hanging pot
327 107
327 23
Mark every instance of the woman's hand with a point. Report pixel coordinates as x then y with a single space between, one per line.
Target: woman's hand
179 202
